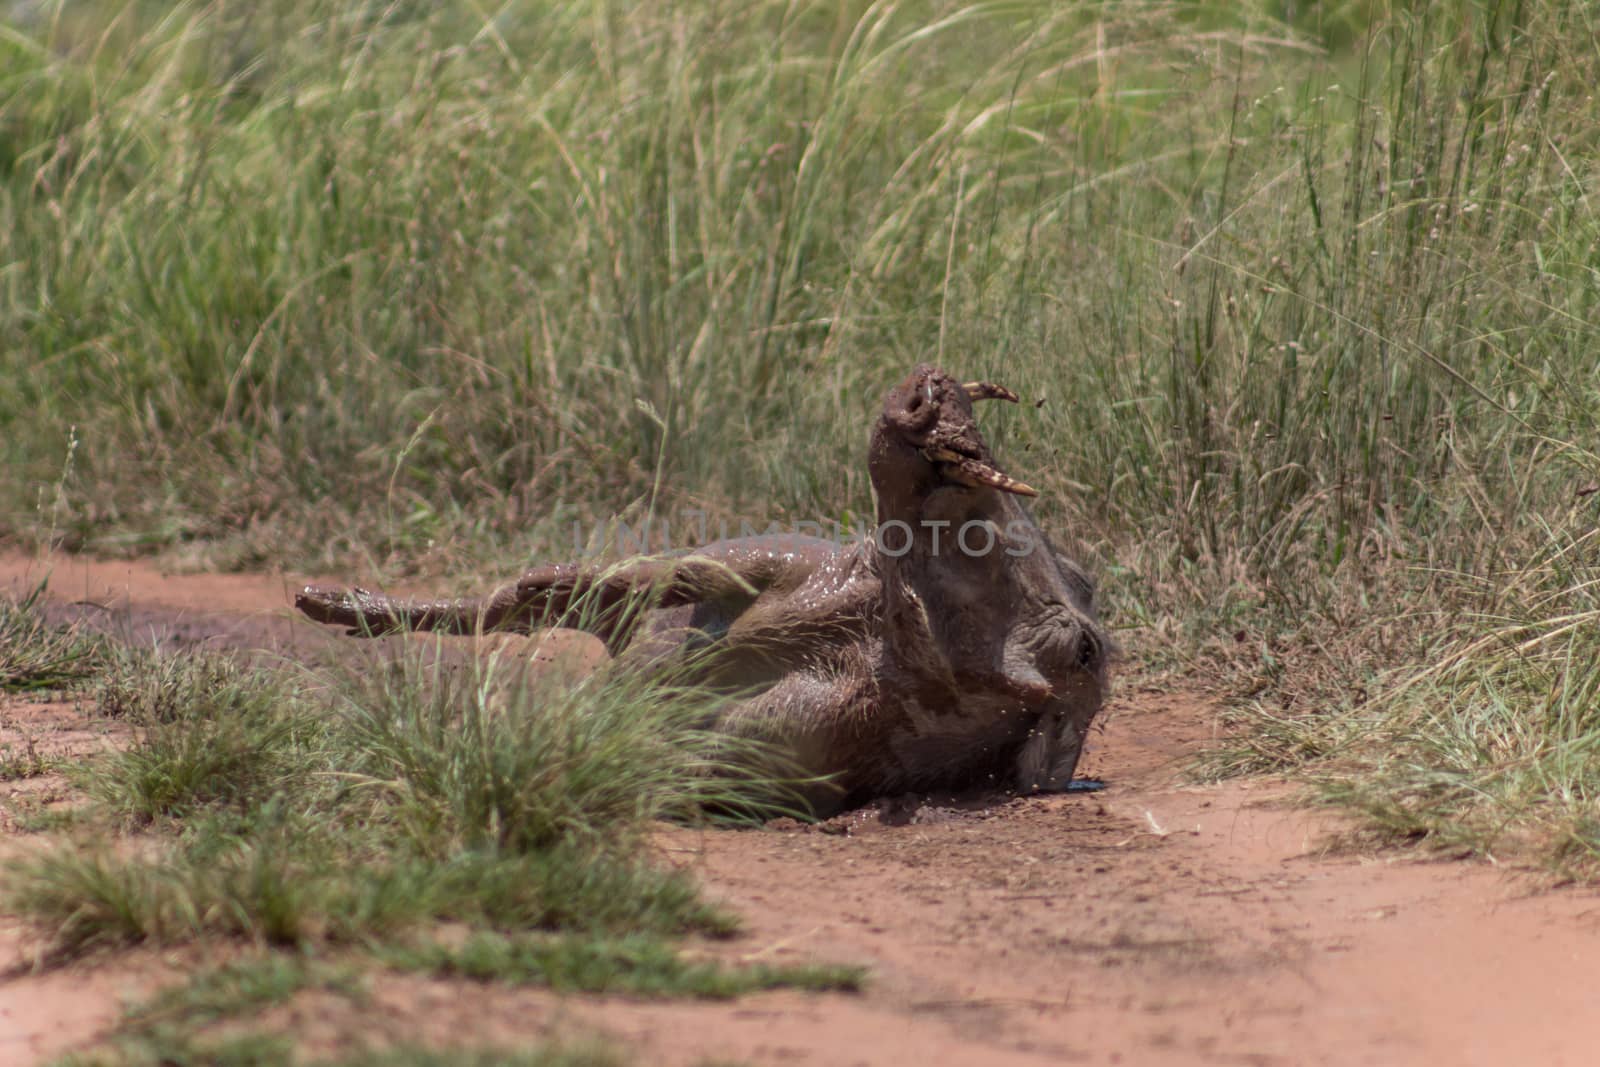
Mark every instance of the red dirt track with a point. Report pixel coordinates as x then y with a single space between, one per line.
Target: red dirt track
1155 922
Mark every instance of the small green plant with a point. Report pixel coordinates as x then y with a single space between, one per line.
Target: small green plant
23 760
212 1018
207 732
169 1046
35 655
643 966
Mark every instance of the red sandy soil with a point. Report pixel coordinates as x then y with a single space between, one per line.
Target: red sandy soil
1156 922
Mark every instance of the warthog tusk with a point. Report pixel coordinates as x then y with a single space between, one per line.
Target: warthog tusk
989 391
971 472
974 473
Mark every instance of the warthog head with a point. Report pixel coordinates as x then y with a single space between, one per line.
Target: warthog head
977 601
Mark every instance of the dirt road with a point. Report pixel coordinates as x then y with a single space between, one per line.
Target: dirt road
1154 922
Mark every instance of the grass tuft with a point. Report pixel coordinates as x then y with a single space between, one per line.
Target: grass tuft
208 732
498 756
360 806
35 655
640 966
212 1018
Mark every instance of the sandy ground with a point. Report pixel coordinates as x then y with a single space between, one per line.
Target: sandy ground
1155 922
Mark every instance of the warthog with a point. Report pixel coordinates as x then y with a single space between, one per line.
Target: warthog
955 647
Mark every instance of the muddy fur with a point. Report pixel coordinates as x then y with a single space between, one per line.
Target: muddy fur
958 647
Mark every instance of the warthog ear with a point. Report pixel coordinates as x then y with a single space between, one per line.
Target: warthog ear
989 391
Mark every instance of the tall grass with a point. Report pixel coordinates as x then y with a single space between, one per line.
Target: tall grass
1308 292
331 280
1494 746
